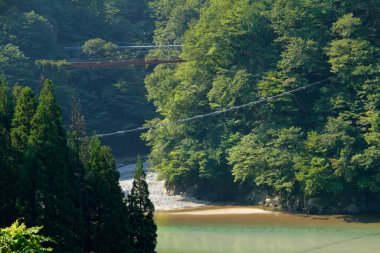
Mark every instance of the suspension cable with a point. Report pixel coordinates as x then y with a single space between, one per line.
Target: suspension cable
143 128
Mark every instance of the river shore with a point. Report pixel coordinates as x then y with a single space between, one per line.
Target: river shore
181 204
158 194
223 210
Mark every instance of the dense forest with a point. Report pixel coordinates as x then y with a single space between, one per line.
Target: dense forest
314 150
38 30
53 177
66 183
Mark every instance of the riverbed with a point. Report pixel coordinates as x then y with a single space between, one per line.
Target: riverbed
232 229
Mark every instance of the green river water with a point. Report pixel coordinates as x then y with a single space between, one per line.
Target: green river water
181 232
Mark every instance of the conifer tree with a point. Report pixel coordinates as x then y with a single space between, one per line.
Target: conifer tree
141 211
77 132
70 187
7 198
25 109
49 195
105 211
6 104
78 145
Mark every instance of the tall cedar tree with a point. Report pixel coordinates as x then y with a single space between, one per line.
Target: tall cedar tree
77 142
25 109
69 187
141 210
49 175
105 211
7 198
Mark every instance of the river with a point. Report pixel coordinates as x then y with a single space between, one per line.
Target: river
226 229
187 225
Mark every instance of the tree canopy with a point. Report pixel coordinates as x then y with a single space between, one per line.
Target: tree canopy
141 211
65 186
316 143
35 32
19 238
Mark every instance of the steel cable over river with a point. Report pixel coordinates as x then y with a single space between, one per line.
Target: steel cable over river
214 113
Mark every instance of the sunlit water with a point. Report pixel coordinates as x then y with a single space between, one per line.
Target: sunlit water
265 233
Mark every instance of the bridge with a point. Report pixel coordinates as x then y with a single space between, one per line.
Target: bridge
135 47
118 63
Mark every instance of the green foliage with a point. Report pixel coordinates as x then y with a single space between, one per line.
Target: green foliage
49 193
52 63
25 108
325 170
141 210
38 35
268 159
365 164
349 57
6 104
19 238
33 40
301 56
7 176
47 128
68 186
173 18
98 48
347 25
12 61
315 143
105 211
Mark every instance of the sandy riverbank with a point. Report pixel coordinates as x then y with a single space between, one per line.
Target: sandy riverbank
222 210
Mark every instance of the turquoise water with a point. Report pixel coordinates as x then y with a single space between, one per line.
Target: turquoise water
266 233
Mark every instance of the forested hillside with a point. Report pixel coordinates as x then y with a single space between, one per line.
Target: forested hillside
41 29
317 149
66 183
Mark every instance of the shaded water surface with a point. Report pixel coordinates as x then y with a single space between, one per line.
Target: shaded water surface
186 232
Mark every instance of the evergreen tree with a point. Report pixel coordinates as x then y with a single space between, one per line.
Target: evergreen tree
70 187
7 198
141 211
77 132
77 142
105 211
48 181
38 29
25 109
6 107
